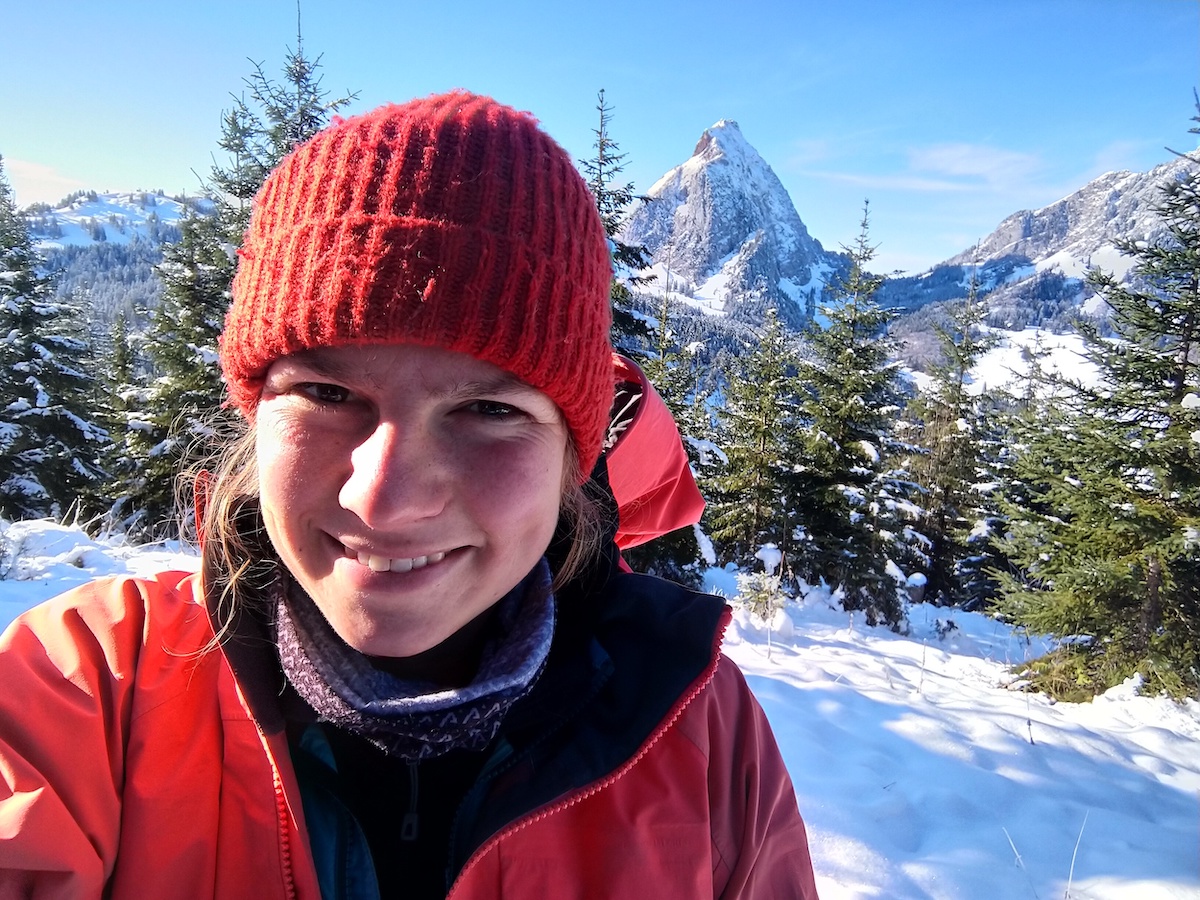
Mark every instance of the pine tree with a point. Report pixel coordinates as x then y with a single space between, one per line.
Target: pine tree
179 412
614 201
751 501
953 423
181 419
49 443
675 374
117 398
259 131
853 502
1107 544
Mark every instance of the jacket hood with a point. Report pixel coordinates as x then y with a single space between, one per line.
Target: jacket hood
648 469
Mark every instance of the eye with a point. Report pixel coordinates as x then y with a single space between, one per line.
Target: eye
494 409
323 392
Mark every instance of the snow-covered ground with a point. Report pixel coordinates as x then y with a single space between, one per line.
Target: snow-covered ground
120 216
1008 361
921 768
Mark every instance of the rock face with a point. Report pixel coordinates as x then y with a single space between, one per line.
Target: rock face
725 229
1069 234
1031 268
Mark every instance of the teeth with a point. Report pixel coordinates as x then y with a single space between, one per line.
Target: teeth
384 564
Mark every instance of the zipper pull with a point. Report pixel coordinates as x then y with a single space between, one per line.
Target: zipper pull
408 825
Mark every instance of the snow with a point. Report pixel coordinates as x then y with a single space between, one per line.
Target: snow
920 767
1003 366
1065 354
123 216
770 556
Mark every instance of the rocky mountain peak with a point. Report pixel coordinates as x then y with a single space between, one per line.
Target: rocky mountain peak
1031 269
720 140
725 227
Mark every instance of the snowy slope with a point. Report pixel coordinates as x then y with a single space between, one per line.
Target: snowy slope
88 218
1010 358
921 768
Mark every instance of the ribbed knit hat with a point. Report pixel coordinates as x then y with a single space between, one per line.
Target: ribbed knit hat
451 221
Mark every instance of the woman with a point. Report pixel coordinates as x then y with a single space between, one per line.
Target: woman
410 666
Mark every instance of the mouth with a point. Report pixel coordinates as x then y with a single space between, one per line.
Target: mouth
396 564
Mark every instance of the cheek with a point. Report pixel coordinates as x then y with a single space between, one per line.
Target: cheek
291 464
520 488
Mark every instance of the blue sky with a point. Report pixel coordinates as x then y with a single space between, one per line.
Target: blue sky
946 114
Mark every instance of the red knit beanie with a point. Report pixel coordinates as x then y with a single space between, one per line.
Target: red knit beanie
452 222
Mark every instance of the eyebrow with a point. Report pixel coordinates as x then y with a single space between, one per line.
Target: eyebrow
341 369
321 364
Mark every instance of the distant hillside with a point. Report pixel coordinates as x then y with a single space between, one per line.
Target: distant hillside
103 247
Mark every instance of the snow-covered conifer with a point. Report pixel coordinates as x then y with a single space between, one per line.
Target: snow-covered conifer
853 499
953 423
752 497
614 201
49 443
1106 540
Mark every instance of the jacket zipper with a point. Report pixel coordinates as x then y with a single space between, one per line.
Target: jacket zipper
285 835
588 790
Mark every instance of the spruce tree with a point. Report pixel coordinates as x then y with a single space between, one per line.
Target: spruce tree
614 201
675 374
1107 543
181 419
752 496
118 397
953 424
49 442
853 501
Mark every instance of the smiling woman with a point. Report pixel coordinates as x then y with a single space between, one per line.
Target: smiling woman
413 663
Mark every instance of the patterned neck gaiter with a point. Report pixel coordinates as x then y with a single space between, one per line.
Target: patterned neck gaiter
408 719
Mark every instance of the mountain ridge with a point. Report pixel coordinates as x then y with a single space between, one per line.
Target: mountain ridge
726 239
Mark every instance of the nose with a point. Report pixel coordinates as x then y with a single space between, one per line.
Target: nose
396 476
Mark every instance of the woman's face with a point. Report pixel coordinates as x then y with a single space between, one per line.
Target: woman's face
406 488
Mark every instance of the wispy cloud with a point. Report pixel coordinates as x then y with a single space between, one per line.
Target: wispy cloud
976 165
38 183
887 182
935 169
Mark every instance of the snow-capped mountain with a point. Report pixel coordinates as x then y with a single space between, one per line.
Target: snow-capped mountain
87 218
1079 231
1032 266
725 228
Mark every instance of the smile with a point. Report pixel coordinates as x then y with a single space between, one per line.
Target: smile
387 564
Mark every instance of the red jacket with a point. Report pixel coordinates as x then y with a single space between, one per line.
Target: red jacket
131 766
